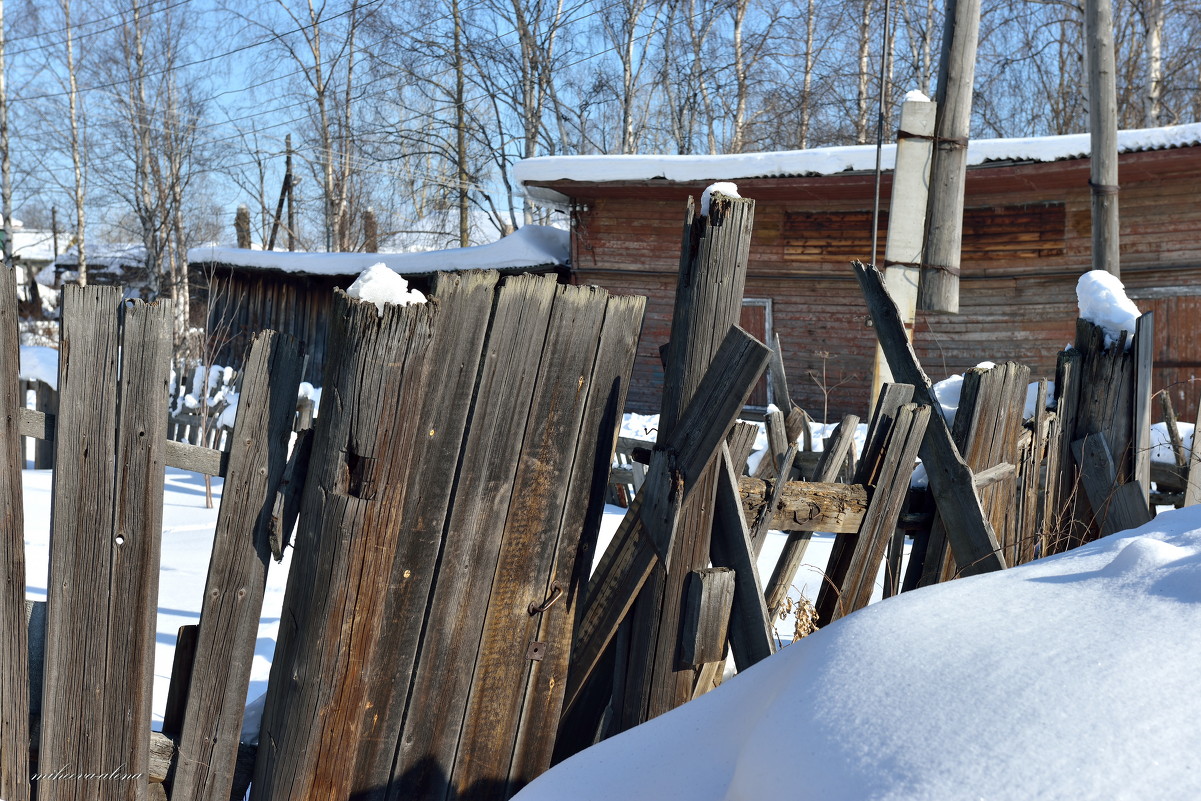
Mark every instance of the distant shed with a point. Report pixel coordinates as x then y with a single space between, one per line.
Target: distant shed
238 292
1026 241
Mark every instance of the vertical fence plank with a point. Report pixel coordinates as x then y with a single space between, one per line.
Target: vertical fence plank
237 575
335 602
109 457
472 543
582 514
14 678
522 580
72 729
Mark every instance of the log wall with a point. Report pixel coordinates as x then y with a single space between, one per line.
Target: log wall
1018 284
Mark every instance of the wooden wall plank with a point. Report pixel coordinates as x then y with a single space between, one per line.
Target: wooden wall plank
237 575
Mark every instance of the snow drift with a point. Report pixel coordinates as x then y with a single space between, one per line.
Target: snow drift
1071 677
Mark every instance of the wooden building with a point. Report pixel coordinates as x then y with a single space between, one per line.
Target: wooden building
1026 242
238 292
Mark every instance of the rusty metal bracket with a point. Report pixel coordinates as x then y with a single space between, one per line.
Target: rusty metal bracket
556 592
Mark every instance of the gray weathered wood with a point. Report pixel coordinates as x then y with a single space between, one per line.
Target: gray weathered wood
99 666
891 400
777 444
1192 492
1144 356
583 512
762 522
1103 133
1114 507
880 522
713 261
731 546
237 574
778 379
285 509
708 596
972 539
181 679
343 661
522 579
837 447
806 506
741 442
632 553
1173 429
47 403
939 291
14 669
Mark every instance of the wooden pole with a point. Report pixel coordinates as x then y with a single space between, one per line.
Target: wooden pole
290 181
944 211
242 227
1103 131
907 220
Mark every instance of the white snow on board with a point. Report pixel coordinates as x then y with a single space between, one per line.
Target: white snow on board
721 187
828 160
1103 302
379 285
1071 677
528 246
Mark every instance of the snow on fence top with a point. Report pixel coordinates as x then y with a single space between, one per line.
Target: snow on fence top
820 161
527 247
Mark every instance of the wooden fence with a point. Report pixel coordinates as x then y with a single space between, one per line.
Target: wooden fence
460 458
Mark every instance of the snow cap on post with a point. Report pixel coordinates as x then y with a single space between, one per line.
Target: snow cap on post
1103 302
379 285
722 187
916 96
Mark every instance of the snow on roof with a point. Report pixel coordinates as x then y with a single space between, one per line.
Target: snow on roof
34 245
818 161
1071 677
529 246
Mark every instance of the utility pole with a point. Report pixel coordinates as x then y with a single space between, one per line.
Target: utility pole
1103 132
944 212
290 182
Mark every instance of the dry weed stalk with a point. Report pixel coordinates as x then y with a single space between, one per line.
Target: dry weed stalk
803 614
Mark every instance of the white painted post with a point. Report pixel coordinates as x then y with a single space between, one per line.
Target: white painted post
907 218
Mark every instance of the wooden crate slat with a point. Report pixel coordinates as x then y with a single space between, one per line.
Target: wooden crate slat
237 574
14 675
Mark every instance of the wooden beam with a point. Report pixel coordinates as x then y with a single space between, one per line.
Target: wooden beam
972 539
1144 357
806 505
1103 133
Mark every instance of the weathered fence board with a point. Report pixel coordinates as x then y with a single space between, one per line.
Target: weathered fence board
474 533
972 538
107 510
708 597
750 625
237 575
14 677
546 681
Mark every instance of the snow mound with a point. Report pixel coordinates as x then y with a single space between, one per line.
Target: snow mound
379 285
1071 677
916 96
723 187
1103 302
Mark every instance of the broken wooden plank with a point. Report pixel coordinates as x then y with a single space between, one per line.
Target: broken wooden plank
807 506
632 554
1192 492
731 546
972 539
762 522
237 573
1114 508
777 444
14 667
880 522
181 678
778 379
708 597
